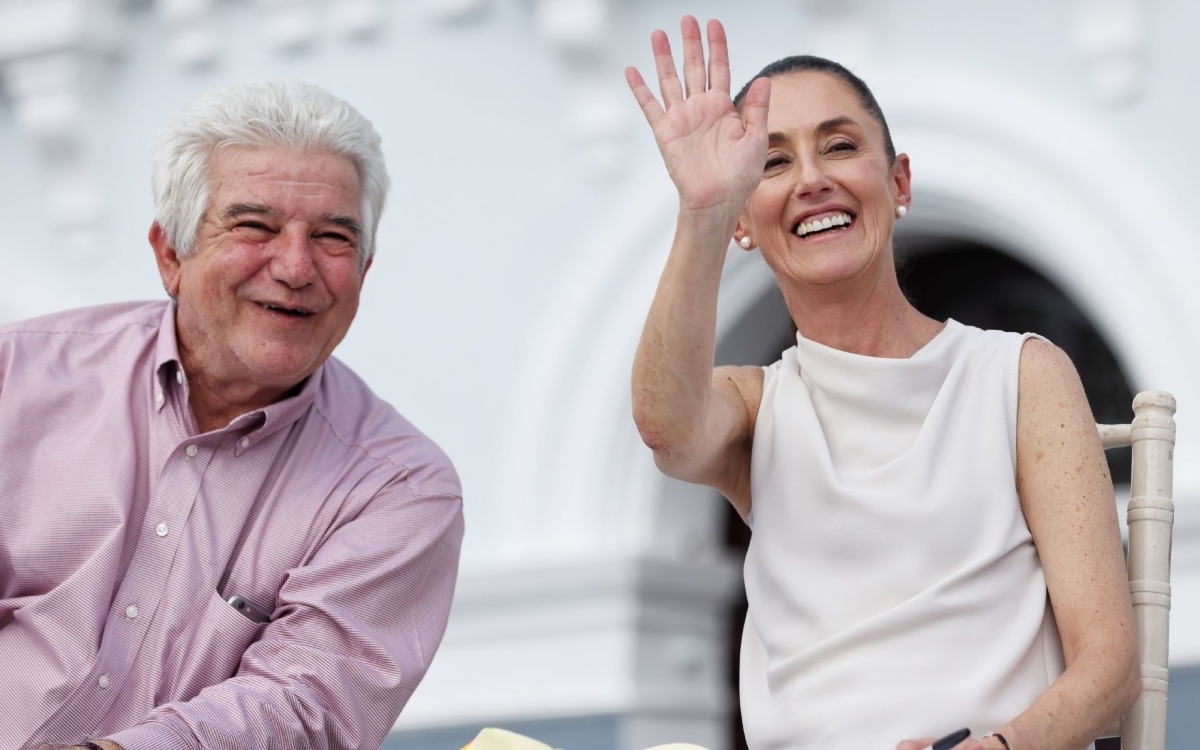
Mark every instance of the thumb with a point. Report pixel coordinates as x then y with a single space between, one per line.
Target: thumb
758 98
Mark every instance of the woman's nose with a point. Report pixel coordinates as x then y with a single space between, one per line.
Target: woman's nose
811 178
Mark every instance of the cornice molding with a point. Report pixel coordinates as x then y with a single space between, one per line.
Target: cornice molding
1109 38
598 112
56 54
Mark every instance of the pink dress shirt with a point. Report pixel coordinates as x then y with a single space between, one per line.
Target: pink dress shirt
123 533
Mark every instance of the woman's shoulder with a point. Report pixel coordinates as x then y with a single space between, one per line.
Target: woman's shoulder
1046 368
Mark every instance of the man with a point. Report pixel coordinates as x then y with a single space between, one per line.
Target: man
212 534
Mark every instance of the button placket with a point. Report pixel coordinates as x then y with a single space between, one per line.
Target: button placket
171 500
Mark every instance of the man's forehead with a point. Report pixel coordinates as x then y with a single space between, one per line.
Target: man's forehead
281 161
258 177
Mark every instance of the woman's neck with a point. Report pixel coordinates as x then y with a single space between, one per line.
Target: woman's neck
876 322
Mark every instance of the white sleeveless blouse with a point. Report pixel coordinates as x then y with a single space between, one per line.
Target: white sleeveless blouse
893 587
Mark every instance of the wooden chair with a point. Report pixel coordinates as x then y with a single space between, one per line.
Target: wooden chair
1150 517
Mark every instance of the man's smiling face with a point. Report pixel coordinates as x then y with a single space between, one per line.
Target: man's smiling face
275 279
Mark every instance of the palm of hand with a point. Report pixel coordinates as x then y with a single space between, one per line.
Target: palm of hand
710 155
714 153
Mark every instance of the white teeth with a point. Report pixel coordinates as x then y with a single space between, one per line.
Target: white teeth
836 220
287 310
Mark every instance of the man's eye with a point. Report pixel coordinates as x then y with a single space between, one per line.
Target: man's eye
252 226
335 239
336 243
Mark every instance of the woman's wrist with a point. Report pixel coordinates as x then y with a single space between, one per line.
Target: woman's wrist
996 741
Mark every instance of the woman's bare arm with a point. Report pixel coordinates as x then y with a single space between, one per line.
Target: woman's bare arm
1066 494
697 419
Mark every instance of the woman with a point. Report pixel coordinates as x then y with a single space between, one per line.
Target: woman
934 538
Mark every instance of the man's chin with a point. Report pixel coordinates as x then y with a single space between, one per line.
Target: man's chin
281 372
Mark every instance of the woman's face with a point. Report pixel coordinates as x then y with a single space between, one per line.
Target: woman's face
825 208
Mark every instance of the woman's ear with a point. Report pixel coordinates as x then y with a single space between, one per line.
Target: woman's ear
741 236
902 180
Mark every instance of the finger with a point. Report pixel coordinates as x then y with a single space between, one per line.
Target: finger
756 106
718 57
693 56
664 65
645 97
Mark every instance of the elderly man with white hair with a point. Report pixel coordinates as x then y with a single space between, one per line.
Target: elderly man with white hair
212 533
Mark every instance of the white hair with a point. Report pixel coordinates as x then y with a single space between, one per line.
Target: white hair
258 114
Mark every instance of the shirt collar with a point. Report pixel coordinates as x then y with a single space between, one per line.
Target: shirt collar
252 426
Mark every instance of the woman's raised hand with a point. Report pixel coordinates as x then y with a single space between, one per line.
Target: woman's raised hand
714 155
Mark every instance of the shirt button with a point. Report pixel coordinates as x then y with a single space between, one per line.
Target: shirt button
158 399
161 529
103 681
191 450
179 376
245 442
131 611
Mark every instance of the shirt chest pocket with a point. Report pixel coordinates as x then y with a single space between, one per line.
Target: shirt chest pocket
210 648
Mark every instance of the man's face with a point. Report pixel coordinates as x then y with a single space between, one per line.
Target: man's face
275 279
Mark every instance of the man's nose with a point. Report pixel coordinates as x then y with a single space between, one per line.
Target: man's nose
292 262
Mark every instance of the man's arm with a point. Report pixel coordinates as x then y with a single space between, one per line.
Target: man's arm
354 631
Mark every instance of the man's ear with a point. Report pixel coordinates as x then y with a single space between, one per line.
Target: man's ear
168 260
363 276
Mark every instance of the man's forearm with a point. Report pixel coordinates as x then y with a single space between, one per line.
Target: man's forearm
86 745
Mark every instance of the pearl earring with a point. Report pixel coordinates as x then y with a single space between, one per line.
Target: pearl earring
745 242
901 211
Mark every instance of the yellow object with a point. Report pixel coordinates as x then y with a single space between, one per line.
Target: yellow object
502 739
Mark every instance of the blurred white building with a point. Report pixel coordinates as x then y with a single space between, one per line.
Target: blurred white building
1055 167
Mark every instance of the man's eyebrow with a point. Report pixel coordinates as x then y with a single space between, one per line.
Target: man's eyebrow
833 123
349 223
237 209
234 210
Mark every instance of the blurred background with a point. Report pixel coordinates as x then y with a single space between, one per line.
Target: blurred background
599 608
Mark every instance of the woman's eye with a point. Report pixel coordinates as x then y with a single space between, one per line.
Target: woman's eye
773 162
842 146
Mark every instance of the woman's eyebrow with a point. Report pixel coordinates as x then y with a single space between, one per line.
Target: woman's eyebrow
836 123
833 123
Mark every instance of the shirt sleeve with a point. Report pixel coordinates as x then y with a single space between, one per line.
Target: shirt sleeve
354 631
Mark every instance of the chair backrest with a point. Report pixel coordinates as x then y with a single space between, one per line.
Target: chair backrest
1151 516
